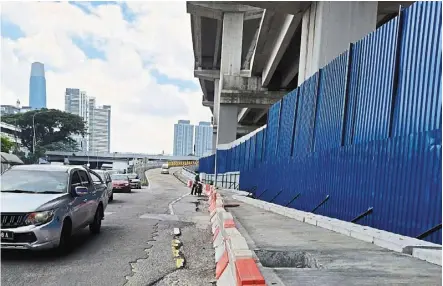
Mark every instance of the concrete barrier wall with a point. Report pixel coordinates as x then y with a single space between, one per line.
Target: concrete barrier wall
235 263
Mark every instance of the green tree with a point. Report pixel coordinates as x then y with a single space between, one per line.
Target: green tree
52 128
7 144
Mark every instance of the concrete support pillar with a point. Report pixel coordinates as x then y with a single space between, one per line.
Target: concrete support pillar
230 64
327 30
216 100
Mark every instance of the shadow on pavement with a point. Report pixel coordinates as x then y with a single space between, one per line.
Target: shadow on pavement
79 241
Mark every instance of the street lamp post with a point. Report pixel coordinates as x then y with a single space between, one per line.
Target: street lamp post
33 131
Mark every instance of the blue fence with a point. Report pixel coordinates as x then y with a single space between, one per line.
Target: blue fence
365 131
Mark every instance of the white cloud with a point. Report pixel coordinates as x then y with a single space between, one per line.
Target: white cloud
143 111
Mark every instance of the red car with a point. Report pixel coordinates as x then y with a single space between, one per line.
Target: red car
120 182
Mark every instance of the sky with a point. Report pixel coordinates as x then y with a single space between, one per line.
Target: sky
135 56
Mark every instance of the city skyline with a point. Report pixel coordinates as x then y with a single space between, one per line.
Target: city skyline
192 139
37 86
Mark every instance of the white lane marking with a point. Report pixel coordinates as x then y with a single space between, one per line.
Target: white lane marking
171 208
109 213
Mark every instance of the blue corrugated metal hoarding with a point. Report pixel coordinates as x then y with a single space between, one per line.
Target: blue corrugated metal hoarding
367 132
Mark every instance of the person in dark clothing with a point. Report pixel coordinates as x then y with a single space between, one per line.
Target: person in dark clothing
195 186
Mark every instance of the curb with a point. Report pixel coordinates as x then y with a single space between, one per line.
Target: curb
235 263
416 248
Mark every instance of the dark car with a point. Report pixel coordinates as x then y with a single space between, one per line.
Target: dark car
121 182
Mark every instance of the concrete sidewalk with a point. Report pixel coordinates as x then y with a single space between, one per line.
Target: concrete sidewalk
296 253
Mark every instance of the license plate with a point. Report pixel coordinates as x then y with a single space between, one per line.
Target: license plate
7 235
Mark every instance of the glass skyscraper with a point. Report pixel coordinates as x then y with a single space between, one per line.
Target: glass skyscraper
203 139
183 138
37 86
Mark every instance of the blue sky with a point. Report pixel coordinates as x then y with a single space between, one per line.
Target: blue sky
132 64
13 31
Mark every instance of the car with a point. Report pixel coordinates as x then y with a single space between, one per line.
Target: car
120 182
165 169
42 206
106 178
134 181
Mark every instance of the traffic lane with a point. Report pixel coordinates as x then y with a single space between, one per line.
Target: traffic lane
95 260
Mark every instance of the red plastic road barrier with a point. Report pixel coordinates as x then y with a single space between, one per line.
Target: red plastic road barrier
248 273
221 265
229 223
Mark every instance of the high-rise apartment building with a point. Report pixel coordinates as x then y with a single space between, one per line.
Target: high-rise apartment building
37 86
97 119
183 138
100 128
203 139
76 102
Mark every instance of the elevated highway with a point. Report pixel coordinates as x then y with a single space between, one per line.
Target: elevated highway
248 54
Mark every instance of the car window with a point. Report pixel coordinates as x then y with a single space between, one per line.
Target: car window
96 179
85 179
34 181
75 179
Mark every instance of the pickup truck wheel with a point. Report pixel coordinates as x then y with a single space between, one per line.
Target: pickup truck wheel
65 238
95 227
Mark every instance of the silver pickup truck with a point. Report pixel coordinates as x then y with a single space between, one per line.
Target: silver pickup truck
43 205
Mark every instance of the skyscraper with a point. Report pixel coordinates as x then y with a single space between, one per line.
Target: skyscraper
37 86
76 102
183 138
203 139
100 128
98 120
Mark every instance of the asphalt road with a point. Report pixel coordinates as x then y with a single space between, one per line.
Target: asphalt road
133 248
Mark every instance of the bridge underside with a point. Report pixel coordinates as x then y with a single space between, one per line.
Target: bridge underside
249 54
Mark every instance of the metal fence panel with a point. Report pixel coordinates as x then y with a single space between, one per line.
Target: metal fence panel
259 147
418 104
376 76
331 101
289 105
247 153
272 131
305 121
252 152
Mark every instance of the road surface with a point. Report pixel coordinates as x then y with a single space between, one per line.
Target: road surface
134 247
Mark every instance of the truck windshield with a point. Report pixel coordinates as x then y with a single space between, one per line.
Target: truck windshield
34 181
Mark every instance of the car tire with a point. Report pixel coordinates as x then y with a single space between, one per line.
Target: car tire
95 226
64 244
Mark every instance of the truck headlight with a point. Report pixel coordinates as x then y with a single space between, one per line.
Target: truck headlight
39 218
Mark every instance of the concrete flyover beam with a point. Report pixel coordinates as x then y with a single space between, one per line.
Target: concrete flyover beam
196 39
217 46
284 7
215 10
246 129
259 115
247 92
242 114
207 103
263 41
282 41
215 74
